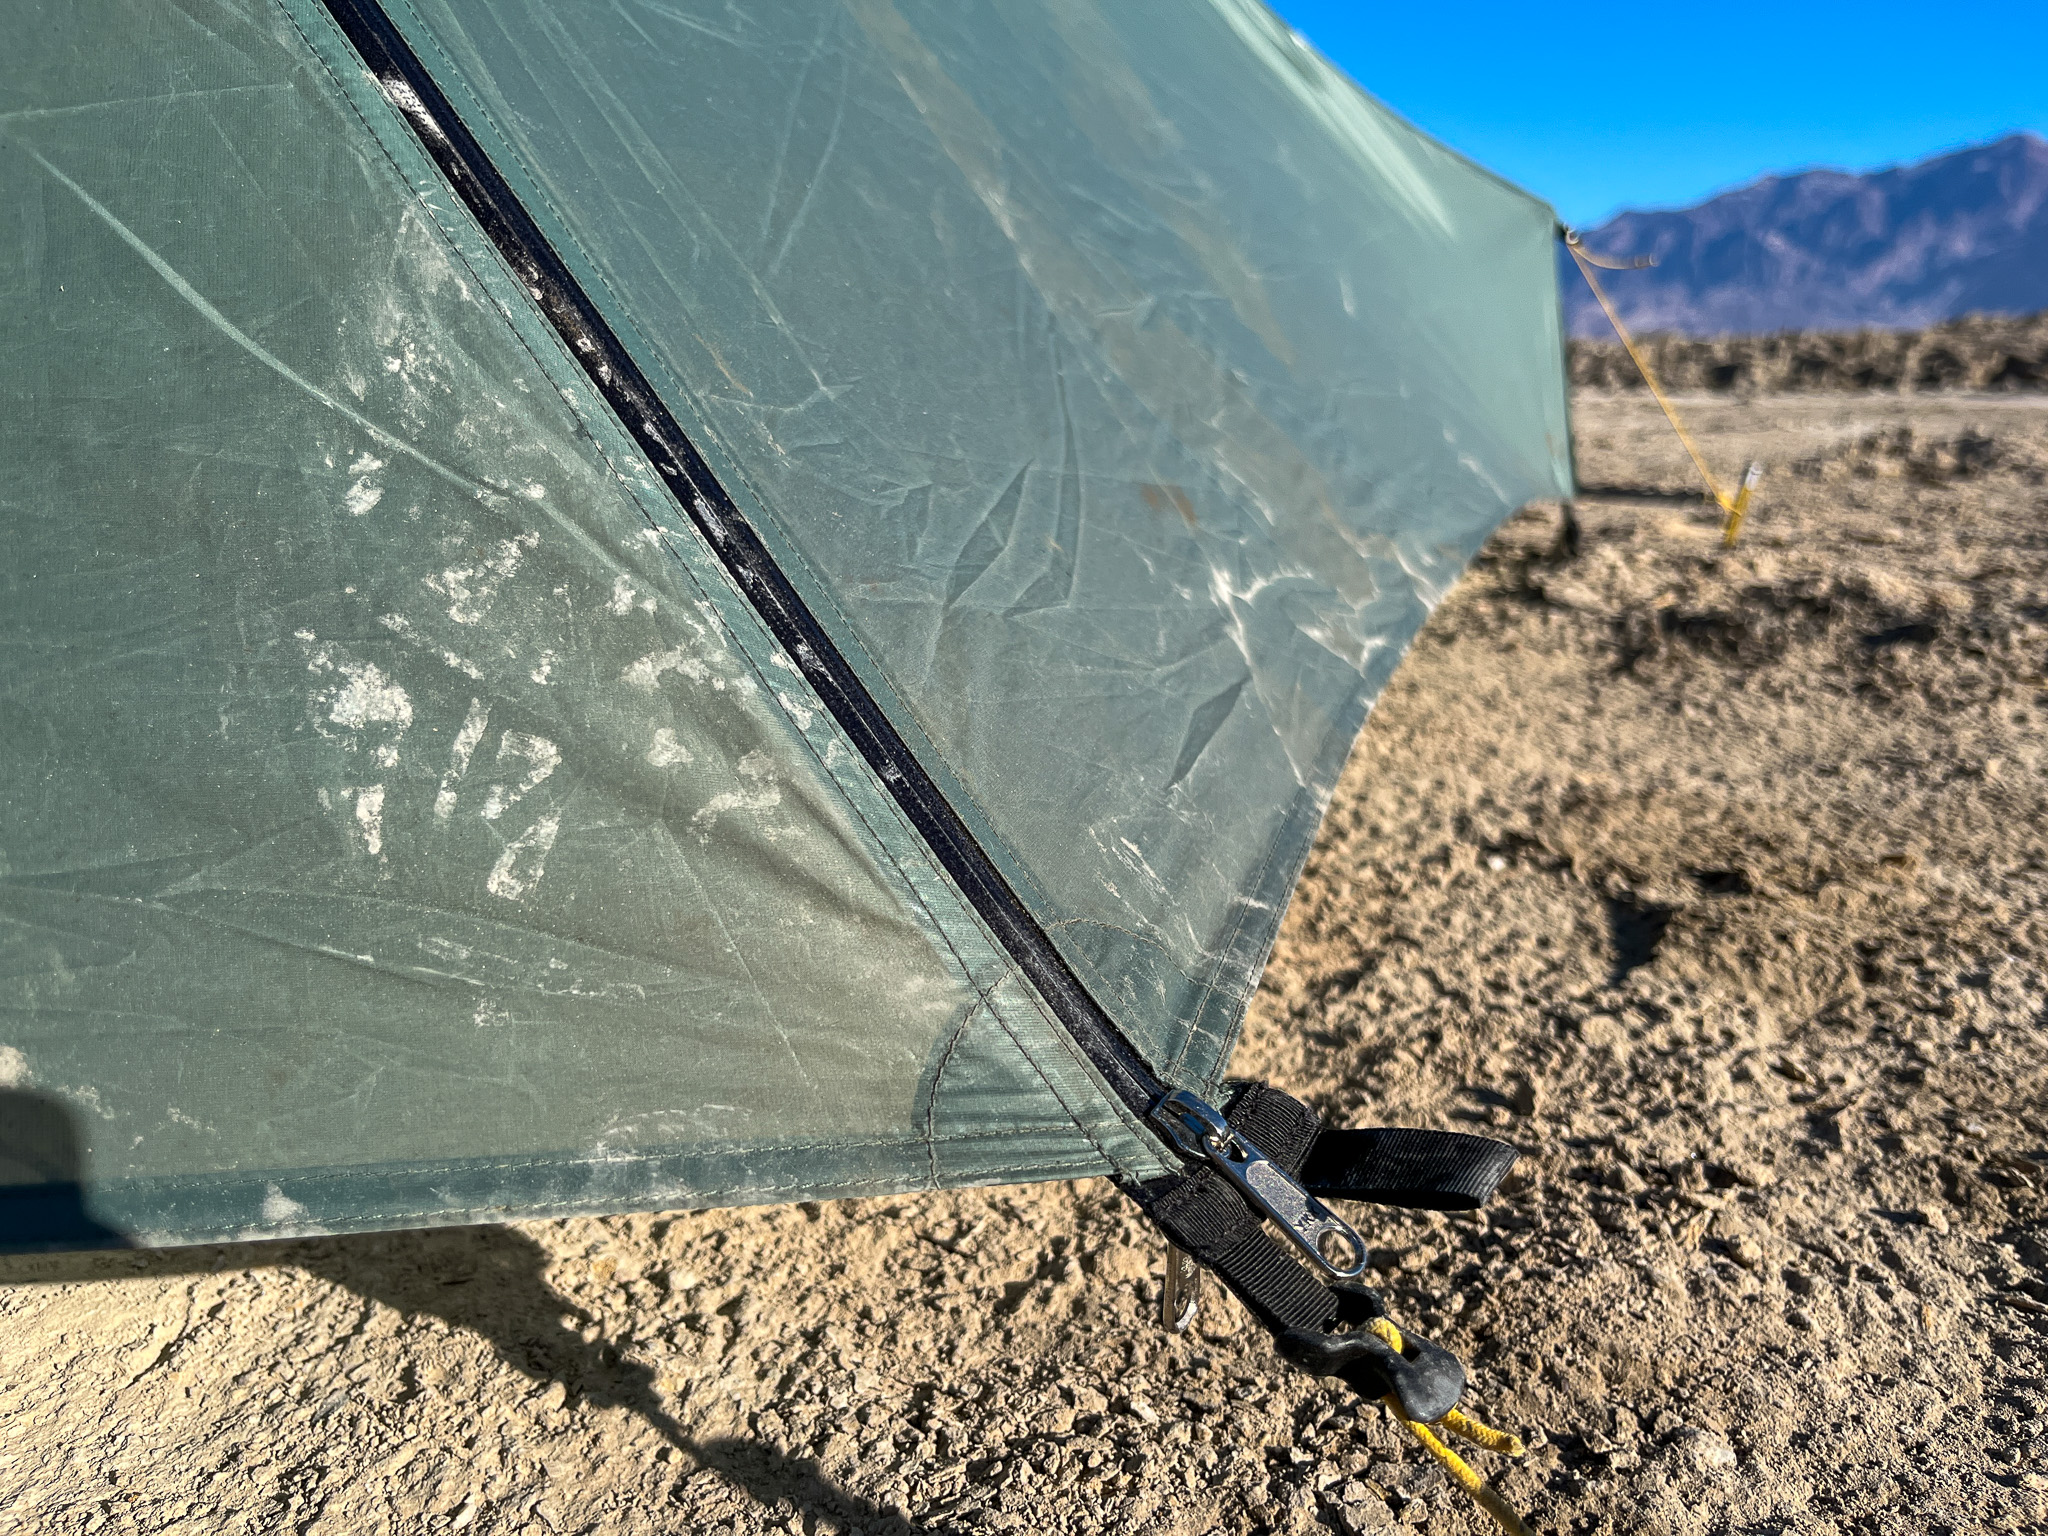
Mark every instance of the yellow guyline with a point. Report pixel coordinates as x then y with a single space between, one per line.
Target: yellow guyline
1732 507
1467 1429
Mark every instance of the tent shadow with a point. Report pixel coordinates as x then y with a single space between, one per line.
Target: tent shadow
492 1282
42 1190
771 1474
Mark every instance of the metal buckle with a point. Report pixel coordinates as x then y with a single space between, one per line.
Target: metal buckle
1200 1131
1180 1295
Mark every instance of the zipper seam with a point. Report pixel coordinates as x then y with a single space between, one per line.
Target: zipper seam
406 83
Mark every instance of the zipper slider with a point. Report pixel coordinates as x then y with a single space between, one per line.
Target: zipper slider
1199 1130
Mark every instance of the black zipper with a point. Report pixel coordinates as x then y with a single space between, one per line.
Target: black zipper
408 86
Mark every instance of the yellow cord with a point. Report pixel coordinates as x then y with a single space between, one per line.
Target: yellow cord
1486 1439
1453 1464
1732 507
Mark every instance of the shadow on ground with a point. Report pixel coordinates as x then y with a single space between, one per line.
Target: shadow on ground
492 1282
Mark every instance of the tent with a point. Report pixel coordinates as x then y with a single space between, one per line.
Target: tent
666 605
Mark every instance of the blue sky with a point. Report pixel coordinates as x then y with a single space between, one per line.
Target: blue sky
1603 107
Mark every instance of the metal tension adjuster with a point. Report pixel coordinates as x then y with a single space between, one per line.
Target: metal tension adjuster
1200 1131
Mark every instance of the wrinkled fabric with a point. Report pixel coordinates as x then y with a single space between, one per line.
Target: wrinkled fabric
402 818
401 821
1120 384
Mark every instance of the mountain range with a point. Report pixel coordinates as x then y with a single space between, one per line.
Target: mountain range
1909 246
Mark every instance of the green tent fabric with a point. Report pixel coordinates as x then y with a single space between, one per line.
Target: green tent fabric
407 814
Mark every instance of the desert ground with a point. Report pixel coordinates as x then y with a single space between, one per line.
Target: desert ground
1715 881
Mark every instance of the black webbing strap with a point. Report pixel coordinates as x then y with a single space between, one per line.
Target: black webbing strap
1421 1170
1206 1218
1386 1165
1278 1124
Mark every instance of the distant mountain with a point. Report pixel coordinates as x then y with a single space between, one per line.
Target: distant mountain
1963 233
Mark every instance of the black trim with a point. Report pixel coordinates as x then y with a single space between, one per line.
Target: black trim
411 90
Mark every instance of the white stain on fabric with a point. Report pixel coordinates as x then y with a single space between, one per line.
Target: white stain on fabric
364 493
1136 860
542 758
14 1072
547 665
645 674
370 817
524 860
402 627
472 732
471 588
800 713
365 698
280 1207
667 752
489 1013
626 597
761 794
369 697
89 1096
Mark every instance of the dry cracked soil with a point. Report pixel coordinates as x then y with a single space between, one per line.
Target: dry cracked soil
1714 880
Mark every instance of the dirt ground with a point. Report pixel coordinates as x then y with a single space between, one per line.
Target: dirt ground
1713 881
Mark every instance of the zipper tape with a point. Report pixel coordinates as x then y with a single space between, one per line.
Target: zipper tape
410 89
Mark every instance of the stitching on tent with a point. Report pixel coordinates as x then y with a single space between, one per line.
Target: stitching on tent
527 1211
931 1103
846 1144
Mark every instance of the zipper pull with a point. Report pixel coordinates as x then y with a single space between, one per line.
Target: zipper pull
1199 1130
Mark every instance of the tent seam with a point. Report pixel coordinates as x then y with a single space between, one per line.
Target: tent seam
818 595
531 1210
908 887
931 1106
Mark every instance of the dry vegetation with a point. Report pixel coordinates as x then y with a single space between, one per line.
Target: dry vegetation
1981 353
